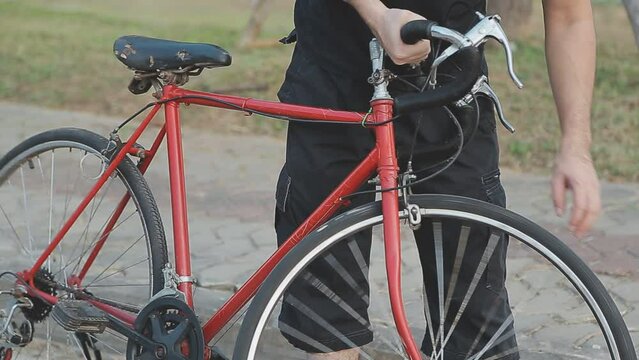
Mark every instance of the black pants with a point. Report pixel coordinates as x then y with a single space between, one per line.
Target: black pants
319 157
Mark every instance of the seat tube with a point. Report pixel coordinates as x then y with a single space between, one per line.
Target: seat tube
178 200
382 105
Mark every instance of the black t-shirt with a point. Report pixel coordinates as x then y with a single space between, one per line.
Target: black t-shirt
336 37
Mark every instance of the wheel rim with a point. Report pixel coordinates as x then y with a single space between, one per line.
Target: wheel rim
39 189
533 345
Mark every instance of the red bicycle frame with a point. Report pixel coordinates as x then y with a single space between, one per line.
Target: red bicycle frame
382 159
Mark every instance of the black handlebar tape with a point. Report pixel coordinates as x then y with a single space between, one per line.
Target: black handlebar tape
469 60
416 30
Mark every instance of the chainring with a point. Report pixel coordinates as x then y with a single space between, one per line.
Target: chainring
44 282
6 353
172 323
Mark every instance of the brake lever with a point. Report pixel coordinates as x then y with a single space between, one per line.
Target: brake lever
482 87
488 27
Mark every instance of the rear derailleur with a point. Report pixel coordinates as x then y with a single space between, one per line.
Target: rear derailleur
14 332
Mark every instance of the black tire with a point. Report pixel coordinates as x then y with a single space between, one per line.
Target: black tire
368 215
128 175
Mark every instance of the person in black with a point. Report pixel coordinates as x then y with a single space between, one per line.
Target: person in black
330 67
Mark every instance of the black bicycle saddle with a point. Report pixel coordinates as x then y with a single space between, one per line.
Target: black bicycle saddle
149 54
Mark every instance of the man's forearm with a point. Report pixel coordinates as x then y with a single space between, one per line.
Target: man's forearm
386 25
570 52
370 10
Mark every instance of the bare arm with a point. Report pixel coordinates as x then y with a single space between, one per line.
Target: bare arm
570 53
386 23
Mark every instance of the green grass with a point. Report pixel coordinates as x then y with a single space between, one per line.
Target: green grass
615 115
59 54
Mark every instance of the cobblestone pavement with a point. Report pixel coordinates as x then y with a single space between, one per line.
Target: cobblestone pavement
231 181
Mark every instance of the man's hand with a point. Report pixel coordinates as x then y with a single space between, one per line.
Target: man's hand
575 171
386 24
387 30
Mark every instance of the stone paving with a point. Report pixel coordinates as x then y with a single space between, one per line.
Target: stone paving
231 181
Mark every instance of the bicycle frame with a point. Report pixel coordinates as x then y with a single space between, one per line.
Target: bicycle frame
381 159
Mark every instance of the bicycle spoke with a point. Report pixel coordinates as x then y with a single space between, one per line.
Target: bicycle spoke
48 339
482 331
77 341
430 329
335 298
107 345
439 263
116 260
119 285
459 257
26 213
96 240
359 258
122 270
50 204
295 334
13 229
481 268
493 339
92 213
300 306
335 264
67 199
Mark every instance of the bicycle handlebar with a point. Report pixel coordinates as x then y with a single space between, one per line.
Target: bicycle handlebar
417 30
468 58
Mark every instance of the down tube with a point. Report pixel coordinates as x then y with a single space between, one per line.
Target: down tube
323 212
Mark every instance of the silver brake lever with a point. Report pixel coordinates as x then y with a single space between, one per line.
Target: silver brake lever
488 27
482 87
487 91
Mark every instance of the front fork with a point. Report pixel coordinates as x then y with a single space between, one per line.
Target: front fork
388 168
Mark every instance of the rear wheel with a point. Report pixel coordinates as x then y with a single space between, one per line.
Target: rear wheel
42 181
554 306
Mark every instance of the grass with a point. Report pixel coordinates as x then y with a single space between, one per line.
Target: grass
615 114
59 54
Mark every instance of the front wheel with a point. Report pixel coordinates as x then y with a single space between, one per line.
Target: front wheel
330 294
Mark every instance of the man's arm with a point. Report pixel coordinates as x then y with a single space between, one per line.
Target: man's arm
570 53
386 23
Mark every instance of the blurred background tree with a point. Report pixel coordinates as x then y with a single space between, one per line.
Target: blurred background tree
516 15
632 6
259 13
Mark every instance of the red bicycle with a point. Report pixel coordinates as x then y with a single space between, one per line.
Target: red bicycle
84 244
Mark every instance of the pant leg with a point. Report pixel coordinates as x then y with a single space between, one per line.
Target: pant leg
326 308
475 174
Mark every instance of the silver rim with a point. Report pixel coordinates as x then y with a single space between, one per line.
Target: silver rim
461 215
103 278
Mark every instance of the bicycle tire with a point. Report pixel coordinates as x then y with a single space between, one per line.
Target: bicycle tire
130 176
593 291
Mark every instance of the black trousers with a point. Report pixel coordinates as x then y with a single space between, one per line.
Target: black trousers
319 157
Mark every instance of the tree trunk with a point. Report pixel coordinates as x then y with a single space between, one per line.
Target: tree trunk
259 13
633 13
515 15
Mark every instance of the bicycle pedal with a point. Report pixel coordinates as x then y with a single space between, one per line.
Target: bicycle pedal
79 316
